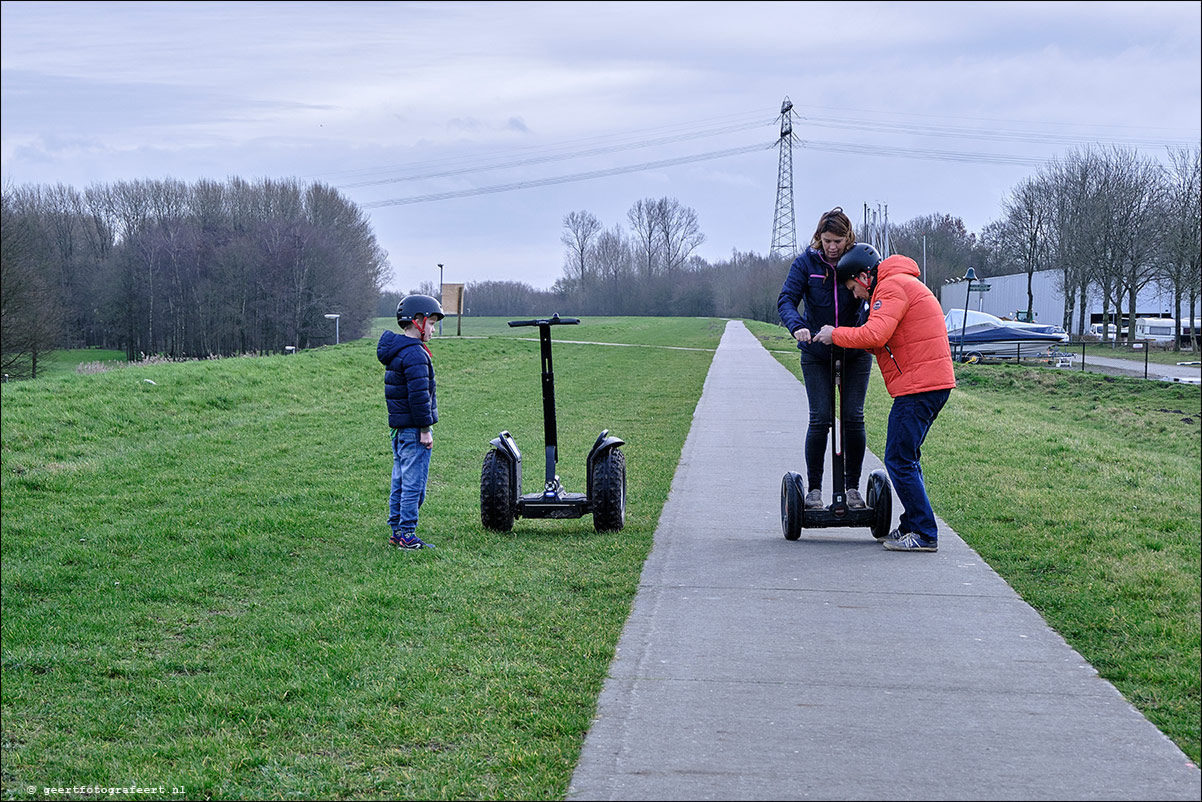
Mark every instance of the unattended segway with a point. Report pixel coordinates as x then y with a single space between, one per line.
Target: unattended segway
878 512
501 499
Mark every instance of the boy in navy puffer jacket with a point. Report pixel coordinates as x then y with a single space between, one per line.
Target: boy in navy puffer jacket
412 412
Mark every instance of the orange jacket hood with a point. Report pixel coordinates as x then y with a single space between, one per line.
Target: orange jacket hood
897 265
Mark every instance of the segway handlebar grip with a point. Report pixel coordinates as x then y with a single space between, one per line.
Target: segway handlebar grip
554 320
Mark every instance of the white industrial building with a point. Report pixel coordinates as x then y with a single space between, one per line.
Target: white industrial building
1007 297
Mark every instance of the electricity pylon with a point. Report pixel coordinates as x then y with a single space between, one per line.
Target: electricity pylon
876 229
784 230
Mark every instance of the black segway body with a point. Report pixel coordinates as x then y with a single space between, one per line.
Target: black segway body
878 512
877 515
501 498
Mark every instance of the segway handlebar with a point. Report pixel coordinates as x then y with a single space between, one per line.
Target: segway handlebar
554 320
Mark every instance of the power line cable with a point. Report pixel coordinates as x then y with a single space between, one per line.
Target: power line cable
1092 128
564 179
554 157
1002 135
737 120
922 153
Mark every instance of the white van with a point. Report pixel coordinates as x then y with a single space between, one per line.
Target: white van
1096 330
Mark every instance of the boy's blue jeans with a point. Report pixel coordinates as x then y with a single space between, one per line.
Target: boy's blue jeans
909 421
410 469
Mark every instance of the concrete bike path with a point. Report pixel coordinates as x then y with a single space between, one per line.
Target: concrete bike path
752 667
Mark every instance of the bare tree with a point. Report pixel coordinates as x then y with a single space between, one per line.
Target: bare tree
1137 201
996 250
949 251
1027 221
580 229
679 232
614 258
30 317
1182 265
644 222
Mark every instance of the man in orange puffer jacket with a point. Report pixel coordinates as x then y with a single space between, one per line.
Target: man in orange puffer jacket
907 334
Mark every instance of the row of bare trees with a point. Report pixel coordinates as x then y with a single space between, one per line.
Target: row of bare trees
1112 221
650 270
744 286
183 270
163 267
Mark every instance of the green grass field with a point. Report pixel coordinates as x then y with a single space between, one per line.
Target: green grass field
196 592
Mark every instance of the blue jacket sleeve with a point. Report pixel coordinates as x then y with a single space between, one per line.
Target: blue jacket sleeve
790 296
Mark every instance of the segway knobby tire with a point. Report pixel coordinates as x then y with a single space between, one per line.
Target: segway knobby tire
792 505
609 491
496 493
880 499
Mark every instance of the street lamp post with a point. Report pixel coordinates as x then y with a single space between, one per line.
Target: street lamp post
970 277
334 318
440 296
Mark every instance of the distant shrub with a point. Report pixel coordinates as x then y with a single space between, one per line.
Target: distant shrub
86 368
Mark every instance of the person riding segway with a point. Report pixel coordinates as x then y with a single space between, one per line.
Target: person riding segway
878 512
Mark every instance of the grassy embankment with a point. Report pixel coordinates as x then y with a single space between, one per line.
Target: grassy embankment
196 593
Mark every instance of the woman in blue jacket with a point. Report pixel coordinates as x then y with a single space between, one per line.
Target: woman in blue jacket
810 299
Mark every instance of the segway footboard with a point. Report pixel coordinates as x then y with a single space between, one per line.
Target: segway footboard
562 505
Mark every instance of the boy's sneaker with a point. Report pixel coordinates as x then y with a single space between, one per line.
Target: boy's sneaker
814 500
855 501
409 542
910 542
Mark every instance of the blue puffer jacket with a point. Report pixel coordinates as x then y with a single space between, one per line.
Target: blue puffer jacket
810 299
408 381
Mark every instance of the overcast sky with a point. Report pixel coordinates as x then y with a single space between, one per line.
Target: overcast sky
467 131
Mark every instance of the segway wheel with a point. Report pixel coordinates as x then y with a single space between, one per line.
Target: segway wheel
792 505
496 493
880 499
609 492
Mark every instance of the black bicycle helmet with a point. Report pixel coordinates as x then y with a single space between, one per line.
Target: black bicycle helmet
412 306
860 258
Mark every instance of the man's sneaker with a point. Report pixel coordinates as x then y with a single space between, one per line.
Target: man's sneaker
814 500
910 542
409 542
855 501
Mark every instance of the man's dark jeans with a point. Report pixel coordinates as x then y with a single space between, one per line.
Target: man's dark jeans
909 421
